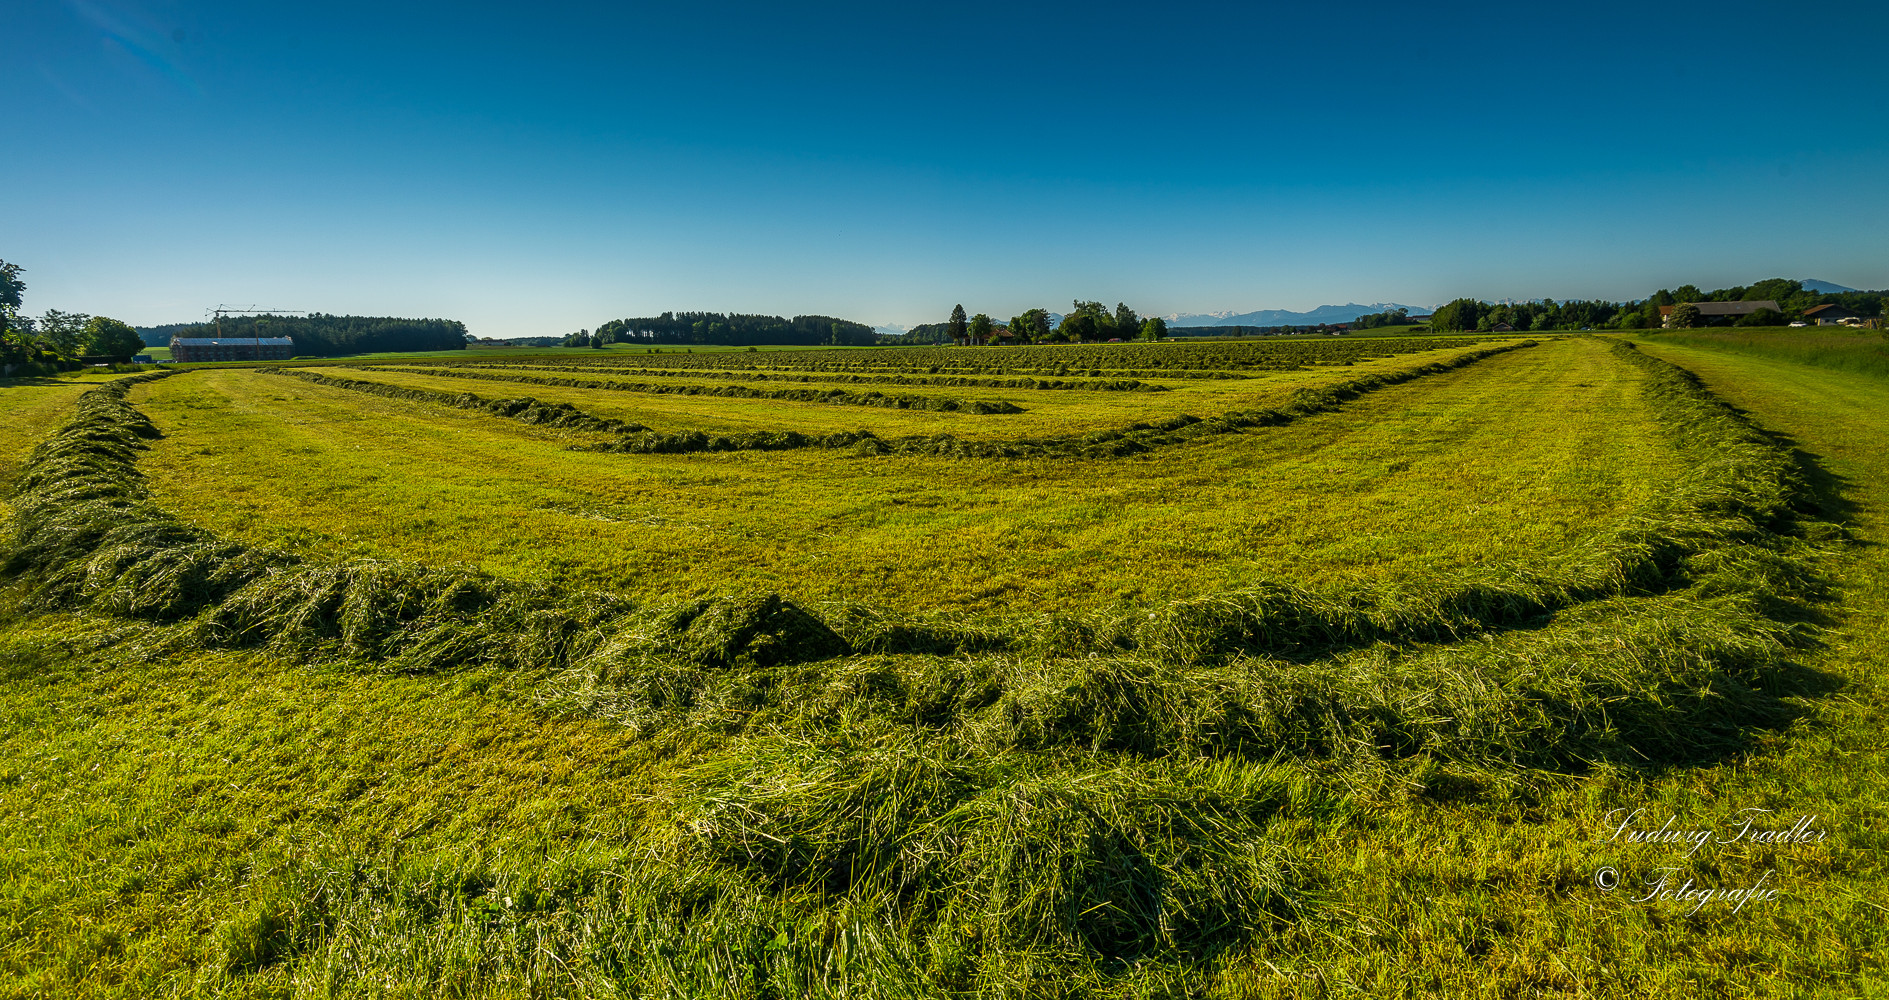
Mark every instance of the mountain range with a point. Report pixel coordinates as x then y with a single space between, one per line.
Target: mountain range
1825 287
1284 317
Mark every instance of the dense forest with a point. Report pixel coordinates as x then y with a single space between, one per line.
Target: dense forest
1791 296
735 329
322 335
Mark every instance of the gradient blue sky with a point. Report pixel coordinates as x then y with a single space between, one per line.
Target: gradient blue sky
535 168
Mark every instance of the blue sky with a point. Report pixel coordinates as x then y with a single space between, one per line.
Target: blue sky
536 168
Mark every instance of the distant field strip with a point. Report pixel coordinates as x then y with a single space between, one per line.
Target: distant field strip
1167 360
1116 442
1134 439
794 376
1431 473
1049 414
829 397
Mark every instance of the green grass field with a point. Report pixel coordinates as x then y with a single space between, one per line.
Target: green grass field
1386 488
321 691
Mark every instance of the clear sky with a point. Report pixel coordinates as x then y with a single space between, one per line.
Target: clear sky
533 168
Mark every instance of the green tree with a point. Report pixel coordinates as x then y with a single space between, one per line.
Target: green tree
1032 326
63 333
1154 328
1780 290
1398 317
1462 314
104 335
956 328
1763 317
1077 328
10 289
16 344
1685 316
979 329
1127 324
1087 321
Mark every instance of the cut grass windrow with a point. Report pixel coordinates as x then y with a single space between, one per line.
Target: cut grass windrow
523 409
830 397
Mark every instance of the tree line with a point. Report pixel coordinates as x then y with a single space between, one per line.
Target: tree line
734 329
1391 317
1085 323
55 339
59 339
1644 314
324 335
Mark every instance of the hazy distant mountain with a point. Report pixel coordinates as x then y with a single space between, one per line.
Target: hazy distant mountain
1283 317
1825 287
889 330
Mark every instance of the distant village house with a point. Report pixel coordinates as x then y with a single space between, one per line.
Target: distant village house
232 348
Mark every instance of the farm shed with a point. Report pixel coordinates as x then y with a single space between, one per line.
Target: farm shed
1830 314
1721 313
232 348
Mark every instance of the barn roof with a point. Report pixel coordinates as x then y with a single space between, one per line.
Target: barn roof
232 341
1828 307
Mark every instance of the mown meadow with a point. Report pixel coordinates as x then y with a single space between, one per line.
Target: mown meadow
1284 671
